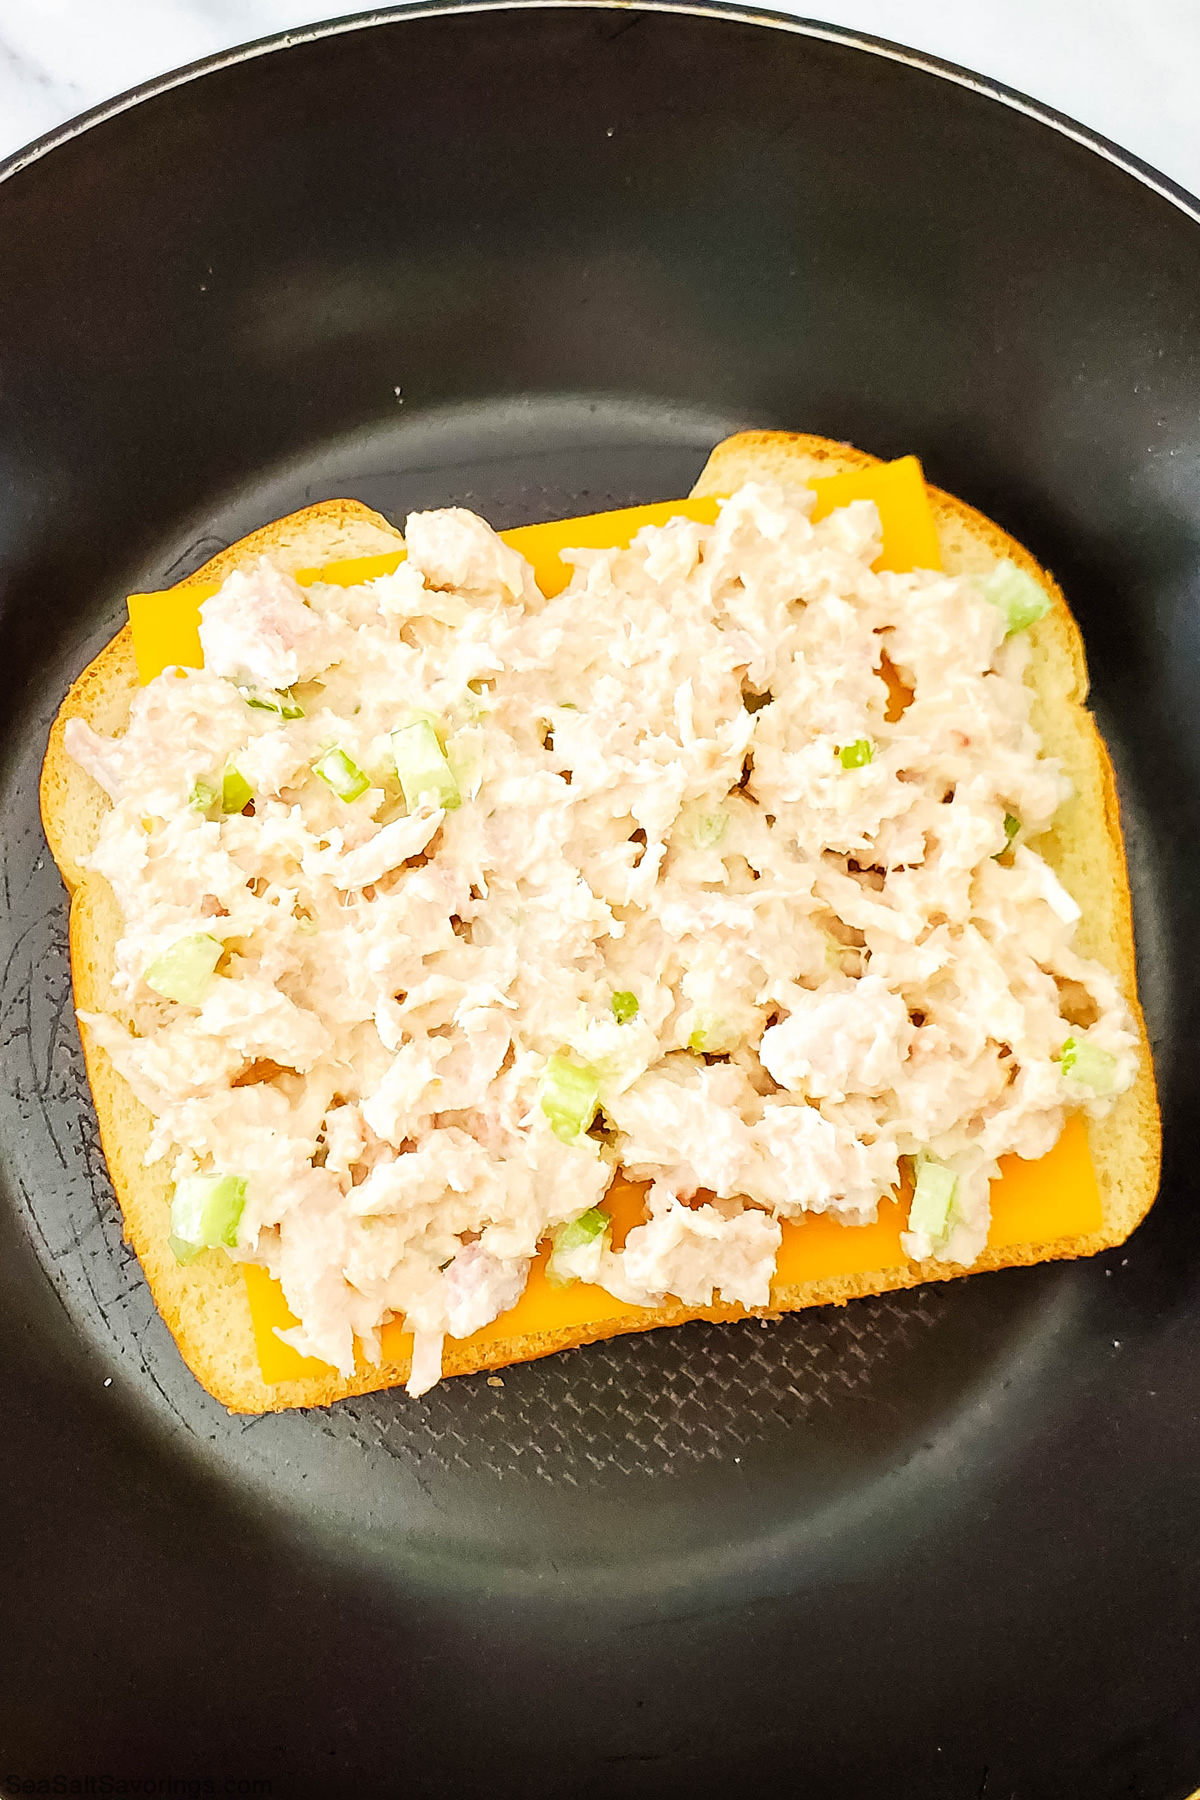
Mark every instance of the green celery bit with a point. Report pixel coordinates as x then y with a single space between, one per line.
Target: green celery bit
186 971
1020 598
1011 827
835 952
236 792
856 755
933 1198
708 829
419 715
342 774
206 1209
573 1236
624 1006
421 764
711 1034
569 1098
184 1252
702 830
582 1230
283 703
1089 1065
202 796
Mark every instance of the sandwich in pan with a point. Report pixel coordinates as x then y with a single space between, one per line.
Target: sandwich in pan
481 951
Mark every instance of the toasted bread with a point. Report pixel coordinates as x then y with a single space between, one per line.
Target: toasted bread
205 1303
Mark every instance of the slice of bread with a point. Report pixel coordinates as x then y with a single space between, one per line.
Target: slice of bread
205 1303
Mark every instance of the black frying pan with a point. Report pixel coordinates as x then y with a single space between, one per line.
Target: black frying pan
538 260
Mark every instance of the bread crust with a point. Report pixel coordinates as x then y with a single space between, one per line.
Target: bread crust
205 1303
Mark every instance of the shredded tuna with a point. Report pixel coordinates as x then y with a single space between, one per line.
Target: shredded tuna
685 782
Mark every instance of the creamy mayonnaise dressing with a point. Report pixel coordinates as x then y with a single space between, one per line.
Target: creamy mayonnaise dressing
834 966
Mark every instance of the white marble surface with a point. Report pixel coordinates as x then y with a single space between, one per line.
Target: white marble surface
1128 68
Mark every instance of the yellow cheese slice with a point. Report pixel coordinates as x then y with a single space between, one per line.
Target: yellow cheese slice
542 545
1032 1203
166 624
166 628
352 571
910 538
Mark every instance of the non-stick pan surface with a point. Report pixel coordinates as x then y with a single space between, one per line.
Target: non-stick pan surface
538 260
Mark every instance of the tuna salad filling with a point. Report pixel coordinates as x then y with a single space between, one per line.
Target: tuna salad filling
444 901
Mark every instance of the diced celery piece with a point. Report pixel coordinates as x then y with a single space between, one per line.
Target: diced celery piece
835 952
1020 598
202 796
236 792
1089 1065
574 1236
582 1230
1012 826
624 1006
185 972
284 703
856 755
933 1198
712 1034
569 1097
418 715
342 774
701 830
421 764
206 1210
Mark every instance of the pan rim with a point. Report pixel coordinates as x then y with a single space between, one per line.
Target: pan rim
815 29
